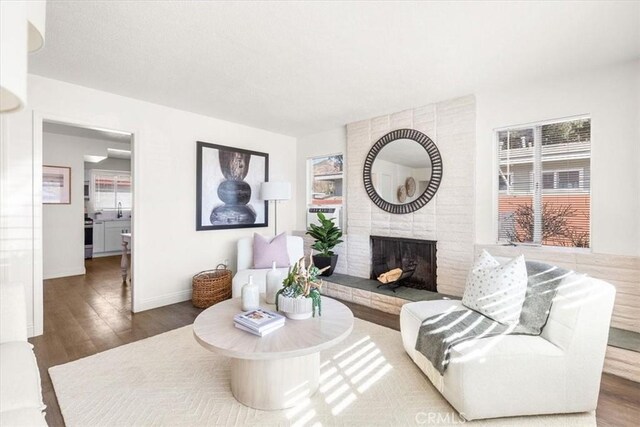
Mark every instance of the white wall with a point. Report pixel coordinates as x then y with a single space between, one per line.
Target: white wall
167 248
333 141
611 97
63 225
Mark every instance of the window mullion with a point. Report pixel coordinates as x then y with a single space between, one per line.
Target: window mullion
508 161
537 185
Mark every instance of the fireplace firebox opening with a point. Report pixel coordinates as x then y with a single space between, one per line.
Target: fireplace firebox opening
416 258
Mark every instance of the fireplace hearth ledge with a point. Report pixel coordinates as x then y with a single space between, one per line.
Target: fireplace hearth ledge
365 292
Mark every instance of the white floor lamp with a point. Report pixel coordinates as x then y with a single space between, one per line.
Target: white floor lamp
276 191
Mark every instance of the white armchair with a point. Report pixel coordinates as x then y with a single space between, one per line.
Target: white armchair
295 248
513 375
20 392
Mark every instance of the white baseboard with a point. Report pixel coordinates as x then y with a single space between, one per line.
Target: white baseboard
65 273
162 300
103 254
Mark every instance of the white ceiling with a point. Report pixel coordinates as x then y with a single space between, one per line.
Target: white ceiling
84 132
302 67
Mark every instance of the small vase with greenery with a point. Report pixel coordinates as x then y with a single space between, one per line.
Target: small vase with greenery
327 236
299 297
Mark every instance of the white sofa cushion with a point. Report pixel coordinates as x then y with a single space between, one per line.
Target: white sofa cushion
20 377
31 417
413 314
507 376
20 391
489 370
497 290
557 372
13 312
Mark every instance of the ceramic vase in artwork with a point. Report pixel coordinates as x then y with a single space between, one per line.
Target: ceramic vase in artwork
234 191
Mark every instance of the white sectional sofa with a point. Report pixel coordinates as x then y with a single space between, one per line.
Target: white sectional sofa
295 248
513 375
20 391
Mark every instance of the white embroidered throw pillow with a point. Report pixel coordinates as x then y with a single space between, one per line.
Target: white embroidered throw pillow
497 290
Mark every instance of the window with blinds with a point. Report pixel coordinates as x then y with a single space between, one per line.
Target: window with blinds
108 188
544 183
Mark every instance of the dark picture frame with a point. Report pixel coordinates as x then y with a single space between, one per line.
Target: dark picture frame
228 187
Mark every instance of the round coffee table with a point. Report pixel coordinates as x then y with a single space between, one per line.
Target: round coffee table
274 371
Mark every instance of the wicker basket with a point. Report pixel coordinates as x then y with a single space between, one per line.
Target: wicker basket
211 286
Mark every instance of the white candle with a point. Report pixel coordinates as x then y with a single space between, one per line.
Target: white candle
274 283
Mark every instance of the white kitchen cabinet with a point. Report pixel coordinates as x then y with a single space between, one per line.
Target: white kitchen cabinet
113 234
121 224
112 238
98 237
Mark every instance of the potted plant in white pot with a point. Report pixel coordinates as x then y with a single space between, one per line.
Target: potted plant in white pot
299 297
327 236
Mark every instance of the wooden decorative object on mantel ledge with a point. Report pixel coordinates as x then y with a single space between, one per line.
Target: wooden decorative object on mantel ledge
390 276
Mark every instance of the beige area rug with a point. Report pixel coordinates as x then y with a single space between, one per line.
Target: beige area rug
171 380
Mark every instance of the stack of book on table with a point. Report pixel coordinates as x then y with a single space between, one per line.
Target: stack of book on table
259 321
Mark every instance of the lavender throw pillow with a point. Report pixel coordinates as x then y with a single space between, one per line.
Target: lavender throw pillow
265 252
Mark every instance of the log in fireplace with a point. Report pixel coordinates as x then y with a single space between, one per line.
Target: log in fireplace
388 253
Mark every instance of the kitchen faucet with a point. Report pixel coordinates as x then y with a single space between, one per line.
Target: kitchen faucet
119 210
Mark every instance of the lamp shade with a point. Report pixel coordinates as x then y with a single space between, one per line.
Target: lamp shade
36 17
13 55
275 191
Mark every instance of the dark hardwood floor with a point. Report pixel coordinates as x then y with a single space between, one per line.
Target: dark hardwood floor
84 315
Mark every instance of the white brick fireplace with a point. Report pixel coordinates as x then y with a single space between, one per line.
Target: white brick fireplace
448 218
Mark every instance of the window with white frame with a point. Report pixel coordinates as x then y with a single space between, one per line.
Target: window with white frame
326 179
110 190
544 185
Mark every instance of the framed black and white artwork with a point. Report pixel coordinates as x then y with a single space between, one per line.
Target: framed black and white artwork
228 187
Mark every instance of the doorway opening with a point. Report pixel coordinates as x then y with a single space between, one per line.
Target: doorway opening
87 232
